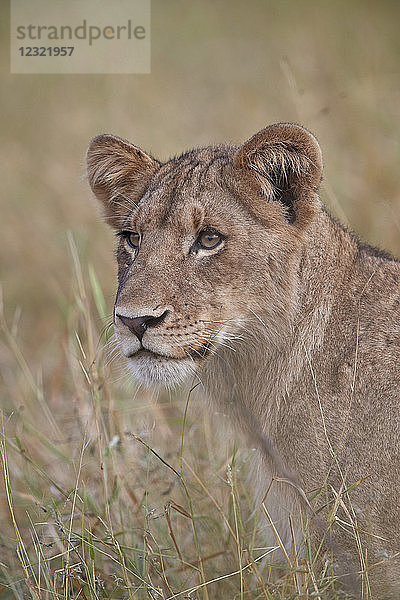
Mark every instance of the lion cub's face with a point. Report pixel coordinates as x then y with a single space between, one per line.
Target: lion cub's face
201 252
178 258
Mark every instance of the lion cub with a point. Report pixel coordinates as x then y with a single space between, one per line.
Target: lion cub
231 270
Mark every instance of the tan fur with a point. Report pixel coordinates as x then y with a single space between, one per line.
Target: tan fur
291 324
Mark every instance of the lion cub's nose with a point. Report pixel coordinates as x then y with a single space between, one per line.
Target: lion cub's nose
138 325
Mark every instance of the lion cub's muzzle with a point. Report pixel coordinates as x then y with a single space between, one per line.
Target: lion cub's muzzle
162 333
159 348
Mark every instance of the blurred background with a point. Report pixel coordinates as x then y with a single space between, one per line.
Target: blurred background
221 70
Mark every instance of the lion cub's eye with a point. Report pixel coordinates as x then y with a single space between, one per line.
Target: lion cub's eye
209 239
132 239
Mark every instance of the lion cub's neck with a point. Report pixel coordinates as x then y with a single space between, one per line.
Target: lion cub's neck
278 347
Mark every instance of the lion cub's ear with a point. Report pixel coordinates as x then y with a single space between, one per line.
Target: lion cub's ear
118 174
284 161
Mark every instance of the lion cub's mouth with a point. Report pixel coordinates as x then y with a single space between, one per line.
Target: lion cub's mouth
143 352
193 353
154 368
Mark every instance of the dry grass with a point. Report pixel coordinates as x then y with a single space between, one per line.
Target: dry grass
100 498
110 493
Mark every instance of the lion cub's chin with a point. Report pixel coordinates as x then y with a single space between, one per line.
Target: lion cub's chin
159 371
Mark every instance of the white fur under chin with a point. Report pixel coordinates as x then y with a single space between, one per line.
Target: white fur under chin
166 372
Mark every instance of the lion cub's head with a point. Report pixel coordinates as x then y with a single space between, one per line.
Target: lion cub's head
208 243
